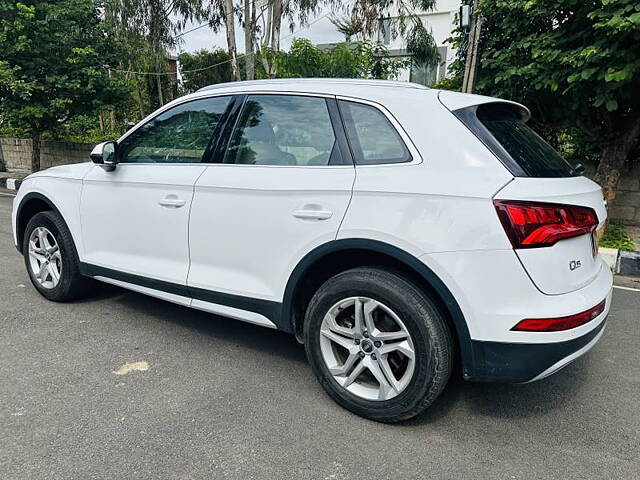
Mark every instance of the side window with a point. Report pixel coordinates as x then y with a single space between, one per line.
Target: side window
179 135
373 139
284 130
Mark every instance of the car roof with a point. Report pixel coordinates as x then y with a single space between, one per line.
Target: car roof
348 87
366 89
329 85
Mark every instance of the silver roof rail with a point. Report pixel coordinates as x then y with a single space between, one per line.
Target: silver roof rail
295 81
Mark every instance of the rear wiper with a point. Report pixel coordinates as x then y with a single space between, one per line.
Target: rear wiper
578 169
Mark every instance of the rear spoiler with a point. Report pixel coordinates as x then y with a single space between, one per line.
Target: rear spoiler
456 101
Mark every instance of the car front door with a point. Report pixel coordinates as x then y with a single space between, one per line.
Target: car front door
135 218
280 189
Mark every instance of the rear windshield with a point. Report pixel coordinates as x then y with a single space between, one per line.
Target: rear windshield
533 156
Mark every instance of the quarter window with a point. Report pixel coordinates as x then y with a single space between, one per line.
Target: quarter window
179 135
372 137
284 130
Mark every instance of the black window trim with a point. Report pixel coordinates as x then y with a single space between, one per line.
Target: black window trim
468 116
231 123
166 108
412 151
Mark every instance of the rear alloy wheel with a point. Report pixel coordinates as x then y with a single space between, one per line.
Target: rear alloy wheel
378 344
367 348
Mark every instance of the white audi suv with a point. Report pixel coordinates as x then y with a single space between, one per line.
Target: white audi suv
395 230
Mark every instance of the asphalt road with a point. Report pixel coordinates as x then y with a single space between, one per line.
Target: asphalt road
228 400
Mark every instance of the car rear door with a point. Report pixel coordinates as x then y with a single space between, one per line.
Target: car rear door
549 211
570 263
280 189
135 218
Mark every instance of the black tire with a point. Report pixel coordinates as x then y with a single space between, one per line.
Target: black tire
72 283
428 328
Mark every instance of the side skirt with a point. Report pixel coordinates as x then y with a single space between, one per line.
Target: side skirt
257 311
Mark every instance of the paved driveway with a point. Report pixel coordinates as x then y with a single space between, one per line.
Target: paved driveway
228 400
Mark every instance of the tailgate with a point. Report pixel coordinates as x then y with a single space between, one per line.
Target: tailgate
571 263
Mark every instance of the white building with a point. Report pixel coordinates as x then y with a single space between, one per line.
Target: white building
441 22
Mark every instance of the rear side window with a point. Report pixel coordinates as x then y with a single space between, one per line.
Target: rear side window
284 130
372 137
516 144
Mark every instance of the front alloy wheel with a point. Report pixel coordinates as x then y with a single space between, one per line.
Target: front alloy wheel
45 258
51 259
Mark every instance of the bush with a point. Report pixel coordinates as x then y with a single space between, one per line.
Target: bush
616 237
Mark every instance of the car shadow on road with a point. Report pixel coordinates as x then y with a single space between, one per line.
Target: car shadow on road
486 399
240 333
510 401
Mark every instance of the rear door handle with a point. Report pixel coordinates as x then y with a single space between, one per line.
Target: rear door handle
172 201
309 214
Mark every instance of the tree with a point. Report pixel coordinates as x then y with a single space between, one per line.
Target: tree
230 30
345 60
157 23
405 23
350 27
52 66
575 63
197 71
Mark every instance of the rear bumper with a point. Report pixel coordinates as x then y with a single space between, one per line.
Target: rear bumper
494 294
529 362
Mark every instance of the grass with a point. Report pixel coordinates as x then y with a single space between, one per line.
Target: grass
615 236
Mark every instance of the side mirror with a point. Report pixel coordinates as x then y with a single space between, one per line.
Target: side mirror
104 154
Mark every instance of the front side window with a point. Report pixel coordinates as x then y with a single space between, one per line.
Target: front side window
372 137
284 130
179 135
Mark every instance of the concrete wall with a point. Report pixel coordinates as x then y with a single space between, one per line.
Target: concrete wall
15 154
627 204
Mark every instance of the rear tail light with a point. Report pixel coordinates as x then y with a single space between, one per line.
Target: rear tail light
534 224
559 323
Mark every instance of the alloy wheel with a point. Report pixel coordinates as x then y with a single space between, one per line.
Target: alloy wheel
45 257
367 348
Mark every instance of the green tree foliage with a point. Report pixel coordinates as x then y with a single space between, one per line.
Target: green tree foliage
303 60
51 66
204 67
345 60
152 28
575 63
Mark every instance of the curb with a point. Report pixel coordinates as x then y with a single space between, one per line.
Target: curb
10 183
629 264
622 262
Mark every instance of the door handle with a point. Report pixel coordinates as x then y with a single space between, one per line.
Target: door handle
309 214
172 201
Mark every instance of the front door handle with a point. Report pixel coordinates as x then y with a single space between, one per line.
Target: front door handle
312 214
172 201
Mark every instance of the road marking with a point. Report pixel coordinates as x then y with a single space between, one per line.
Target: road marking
7 194
132 367
627 288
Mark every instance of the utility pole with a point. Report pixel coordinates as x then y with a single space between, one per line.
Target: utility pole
473 43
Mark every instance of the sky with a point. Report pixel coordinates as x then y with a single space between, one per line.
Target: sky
320 30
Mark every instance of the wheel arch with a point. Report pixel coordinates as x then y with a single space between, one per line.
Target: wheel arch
31 204
339 255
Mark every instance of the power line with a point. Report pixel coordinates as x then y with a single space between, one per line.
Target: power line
192 30
219 63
